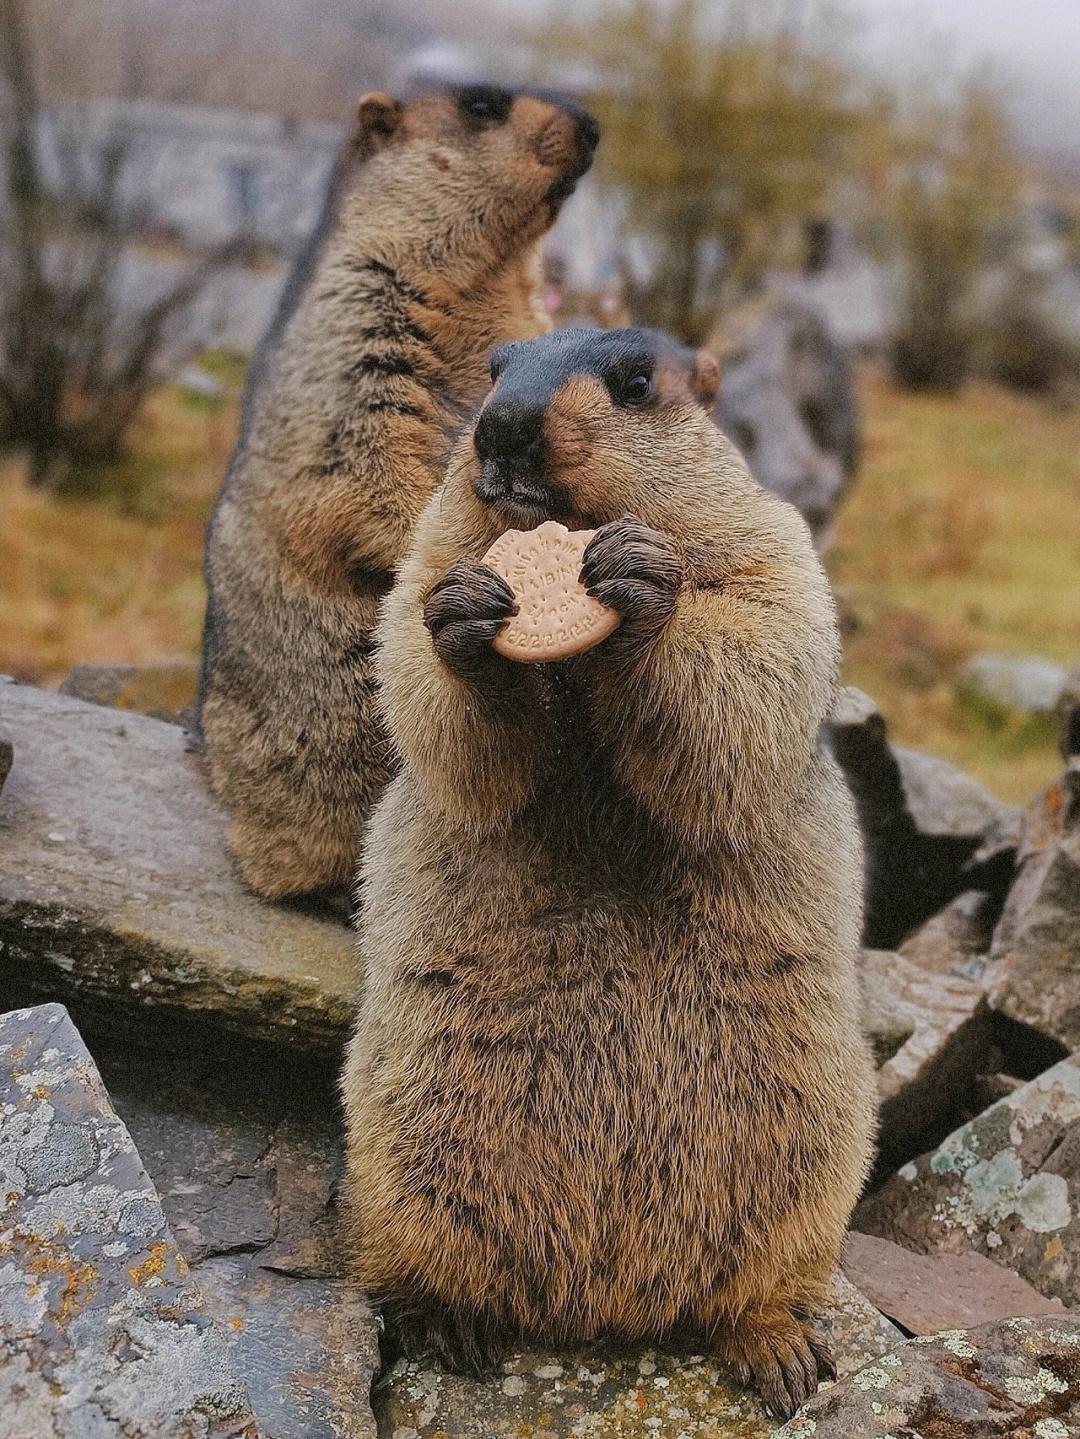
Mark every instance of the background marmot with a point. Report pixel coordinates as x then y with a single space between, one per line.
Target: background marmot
608 1072
425 258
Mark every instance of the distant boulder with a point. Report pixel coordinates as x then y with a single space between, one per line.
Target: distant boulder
787 399
1026 683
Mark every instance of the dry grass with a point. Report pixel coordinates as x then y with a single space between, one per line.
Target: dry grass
116 578
962 534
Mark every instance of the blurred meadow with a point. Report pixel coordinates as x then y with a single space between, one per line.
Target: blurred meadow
162 164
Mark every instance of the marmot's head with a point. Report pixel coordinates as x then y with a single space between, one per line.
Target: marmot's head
585 426
472 175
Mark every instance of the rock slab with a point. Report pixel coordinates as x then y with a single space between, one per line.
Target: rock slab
1005 1185
115 881
927 1292
642 1393
1032 974
1019 1379
102 1330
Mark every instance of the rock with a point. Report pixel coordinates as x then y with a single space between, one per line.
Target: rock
6 756
1067 716
1032 974
922 820
244 1147
634 1394
787 399
1017 1379
1005 1185
930 1033
165 690
102 1330
1013 682
944 801
115 882
927 1292
956 939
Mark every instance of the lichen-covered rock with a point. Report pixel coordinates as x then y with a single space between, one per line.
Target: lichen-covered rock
102 1330
1033 974
930 1033
115 880
164 690
245 1162
921 818
642 1393
1017 1379
1006 1185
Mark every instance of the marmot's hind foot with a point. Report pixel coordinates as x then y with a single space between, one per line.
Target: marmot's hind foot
784 1361
464 1341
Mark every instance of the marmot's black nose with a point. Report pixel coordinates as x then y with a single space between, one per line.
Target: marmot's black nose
509 434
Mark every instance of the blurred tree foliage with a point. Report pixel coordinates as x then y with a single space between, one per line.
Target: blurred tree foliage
724 126
955 192
79 340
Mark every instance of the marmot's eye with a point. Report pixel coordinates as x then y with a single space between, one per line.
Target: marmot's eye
485 105
635 389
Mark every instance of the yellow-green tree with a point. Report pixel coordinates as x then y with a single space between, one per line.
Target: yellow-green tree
724 124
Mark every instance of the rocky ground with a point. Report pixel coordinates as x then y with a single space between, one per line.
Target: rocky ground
167 1167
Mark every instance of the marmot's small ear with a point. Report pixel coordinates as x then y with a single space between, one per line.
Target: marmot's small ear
706 378
377 117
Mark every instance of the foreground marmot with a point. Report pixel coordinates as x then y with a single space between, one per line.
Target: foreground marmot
425 259
608 1073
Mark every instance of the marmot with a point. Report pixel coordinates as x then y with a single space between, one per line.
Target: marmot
425 259
608 1074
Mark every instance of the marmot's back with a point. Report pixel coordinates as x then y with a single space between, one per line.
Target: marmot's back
425 259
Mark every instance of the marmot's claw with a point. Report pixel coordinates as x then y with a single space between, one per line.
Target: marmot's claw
464 611
635 570
785 1360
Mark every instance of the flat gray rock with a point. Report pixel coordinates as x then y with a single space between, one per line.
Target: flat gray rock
1018 1379
115 880
1033 975
103 1334
644 1393
1005 1185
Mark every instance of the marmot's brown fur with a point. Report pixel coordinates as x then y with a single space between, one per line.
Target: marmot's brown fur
425 259
608 1074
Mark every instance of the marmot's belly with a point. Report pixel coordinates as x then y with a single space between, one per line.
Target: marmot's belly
583 1159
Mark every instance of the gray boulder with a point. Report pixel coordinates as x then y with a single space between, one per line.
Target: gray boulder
1025 683
102 1330
787 399
115 882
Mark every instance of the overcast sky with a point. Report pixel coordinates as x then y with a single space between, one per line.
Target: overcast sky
1038 40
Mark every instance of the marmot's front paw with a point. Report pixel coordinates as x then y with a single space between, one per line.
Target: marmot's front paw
464 612
636 571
